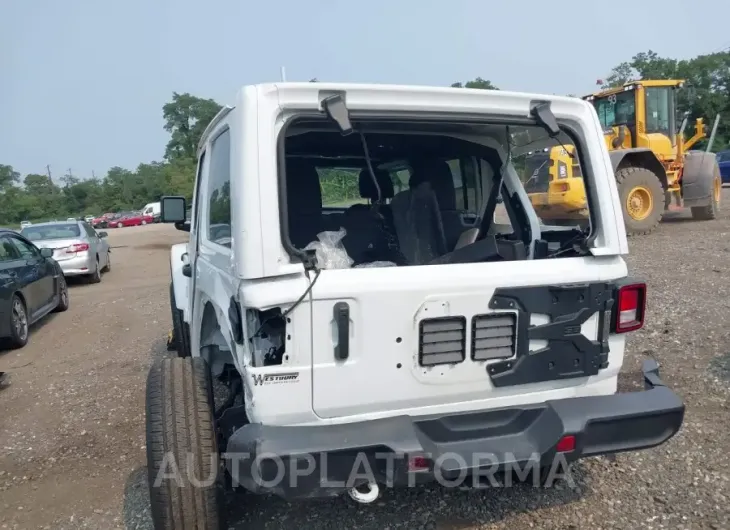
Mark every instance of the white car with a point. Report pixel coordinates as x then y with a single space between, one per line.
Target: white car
77 247
23 224
371 338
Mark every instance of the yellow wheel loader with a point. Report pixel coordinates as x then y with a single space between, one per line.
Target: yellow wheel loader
654 167
555 184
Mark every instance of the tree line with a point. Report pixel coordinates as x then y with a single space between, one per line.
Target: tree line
40 197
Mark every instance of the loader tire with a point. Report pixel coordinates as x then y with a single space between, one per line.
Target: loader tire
183 464
702 185
642 199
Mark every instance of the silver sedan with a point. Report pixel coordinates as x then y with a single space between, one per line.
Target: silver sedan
79 249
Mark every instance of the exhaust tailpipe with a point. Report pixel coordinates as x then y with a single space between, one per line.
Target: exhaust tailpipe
372 490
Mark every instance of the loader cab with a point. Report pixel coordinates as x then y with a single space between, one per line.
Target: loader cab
641 114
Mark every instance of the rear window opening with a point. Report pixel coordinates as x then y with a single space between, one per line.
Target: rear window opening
56 231
427 194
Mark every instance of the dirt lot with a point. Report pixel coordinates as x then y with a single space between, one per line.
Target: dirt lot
72 449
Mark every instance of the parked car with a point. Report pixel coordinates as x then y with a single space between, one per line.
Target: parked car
443 342
102 220
23 224
132 219
32 284
723 160
79 249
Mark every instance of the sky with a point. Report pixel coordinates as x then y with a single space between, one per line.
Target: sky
83 82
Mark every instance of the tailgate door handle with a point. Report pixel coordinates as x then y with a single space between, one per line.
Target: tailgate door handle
341 314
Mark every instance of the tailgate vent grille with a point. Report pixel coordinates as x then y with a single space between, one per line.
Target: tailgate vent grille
493 336
442 341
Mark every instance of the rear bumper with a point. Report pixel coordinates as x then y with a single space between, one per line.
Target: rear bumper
77 266
322 461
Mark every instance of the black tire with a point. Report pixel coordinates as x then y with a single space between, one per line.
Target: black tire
95 277
701 177
180 428
63 300
19 324
629 178
180 331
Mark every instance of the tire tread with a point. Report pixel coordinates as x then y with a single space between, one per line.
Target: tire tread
180 421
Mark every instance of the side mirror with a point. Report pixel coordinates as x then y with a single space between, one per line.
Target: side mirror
47 252
184 226
102 235
172 209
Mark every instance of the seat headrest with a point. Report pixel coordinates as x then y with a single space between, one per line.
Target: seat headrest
438 174
303 190
367 186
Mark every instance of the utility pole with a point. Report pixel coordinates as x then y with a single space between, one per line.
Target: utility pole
283 74
48 170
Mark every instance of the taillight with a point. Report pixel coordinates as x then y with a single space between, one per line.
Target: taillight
79 247
630 307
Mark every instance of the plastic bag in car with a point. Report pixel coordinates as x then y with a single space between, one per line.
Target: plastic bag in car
329 250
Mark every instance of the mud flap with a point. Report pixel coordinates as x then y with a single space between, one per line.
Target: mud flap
700 170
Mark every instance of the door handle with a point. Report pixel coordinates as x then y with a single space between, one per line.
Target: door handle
341 313
13 274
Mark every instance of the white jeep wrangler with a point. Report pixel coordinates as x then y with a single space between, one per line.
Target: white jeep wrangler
367 277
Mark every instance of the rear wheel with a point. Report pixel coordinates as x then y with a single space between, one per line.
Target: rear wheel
144 222
642 199
18 322
182 455
119 225
63 301
95 277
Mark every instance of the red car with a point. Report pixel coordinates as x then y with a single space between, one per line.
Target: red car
132 219
102 221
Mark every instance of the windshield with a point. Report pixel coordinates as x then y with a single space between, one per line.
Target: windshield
616 109
59 231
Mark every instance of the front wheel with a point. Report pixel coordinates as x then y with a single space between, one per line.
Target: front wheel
712 208
183 464
120 225
642 199
144 222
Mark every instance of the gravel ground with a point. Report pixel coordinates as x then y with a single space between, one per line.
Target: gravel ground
72 420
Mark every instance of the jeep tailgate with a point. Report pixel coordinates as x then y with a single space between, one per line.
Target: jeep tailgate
435 339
